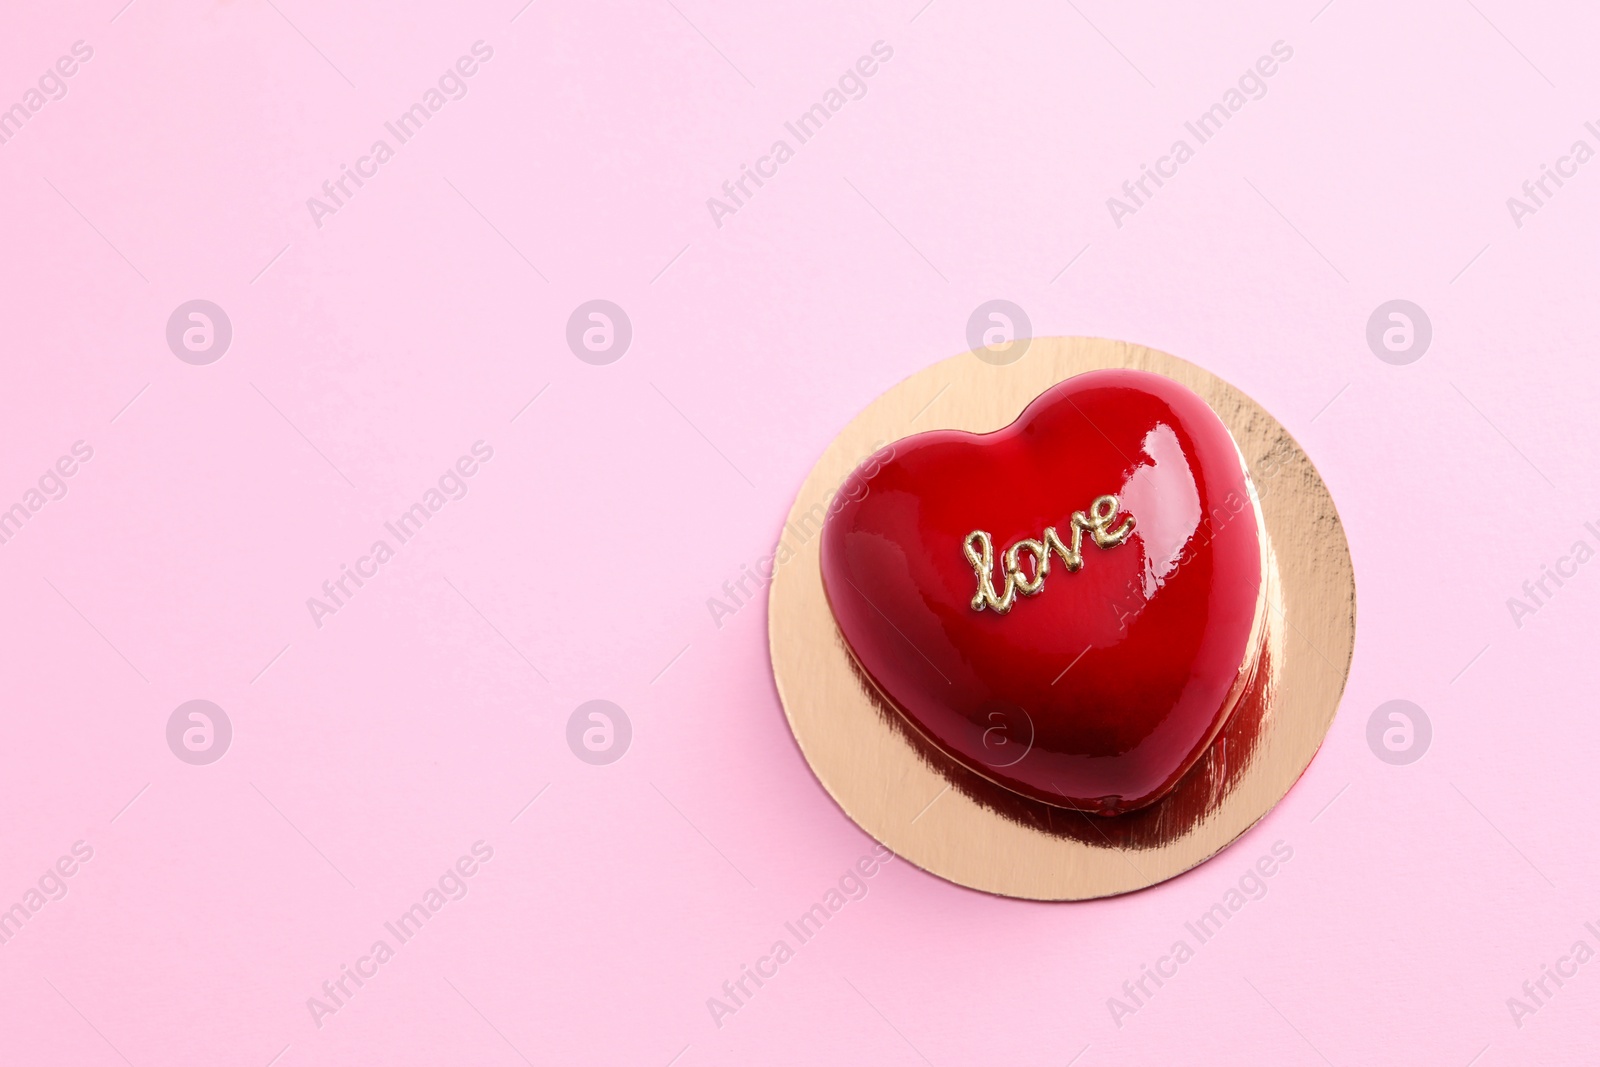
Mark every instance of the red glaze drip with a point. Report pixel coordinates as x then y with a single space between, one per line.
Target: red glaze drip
1103 688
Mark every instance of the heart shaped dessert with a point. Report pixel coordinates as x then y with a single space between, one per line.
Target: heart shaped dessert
1069 606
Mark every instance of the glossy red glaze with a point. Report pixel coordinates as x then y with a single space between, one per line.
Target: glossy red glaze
1104 688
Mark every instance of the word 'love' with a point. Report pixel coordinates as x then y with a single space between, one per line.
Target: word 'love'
979 548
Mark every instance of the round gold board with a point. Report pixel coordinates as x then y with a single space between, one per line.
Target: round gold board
962 827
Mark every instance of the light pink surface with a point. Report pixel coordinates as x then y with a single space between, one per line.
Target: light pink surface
372 752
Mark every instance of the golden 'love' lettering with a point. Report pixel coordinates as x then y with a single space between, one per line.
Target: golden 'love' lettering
979 548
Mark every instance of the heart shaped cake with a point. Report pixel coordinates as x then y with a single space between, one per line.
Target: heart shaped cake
1069 606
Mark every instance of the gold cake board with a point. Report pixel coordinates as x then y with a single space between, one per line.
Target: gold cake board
960 826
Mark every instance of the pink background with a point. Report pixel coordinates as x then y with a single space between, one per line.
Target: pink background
368 354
